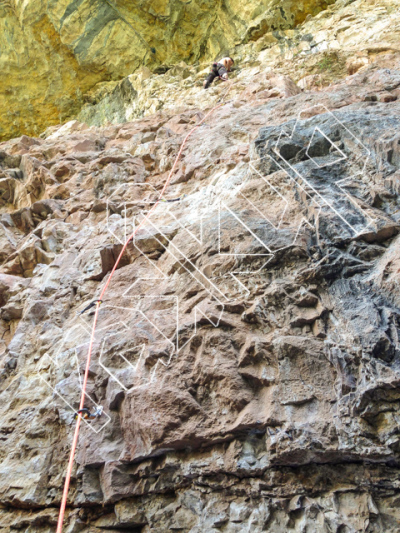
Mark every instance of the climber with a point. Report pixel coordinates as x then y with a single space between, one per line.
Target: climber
219 69
87 415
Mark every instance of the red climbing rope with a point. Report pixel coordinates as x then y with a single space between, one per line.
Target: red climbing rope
82 402
78 423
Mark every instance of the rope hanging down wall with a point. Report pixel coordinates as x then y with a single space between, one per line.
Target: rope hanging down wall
98 302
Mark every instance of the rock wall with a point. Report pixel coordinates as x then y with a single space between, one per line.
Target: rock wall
346 37
247 351
53 52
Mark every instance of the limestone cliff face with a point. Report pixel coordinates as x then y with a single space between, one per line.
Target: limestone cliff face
51 53
247 352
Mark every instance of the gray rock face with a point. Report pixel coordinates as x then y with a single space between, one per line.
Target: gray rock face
247 350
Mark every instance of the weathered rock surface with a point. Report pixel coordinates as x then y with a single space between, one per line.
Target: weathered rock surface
247 352
53 52
343 39
83 53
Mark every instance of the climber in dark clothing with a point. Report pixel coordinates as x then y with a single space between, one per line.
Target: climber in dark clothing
219 70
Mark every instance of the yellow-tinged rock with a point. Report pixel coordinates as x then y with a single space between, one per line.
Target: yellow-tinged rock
52 53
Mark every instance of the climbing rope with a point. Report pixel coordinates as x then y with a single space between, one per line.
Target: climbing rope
97 303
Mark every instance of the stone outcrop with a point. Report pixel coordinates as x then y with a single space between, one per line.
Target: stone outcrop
247 350
52 53
68 58
343 39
